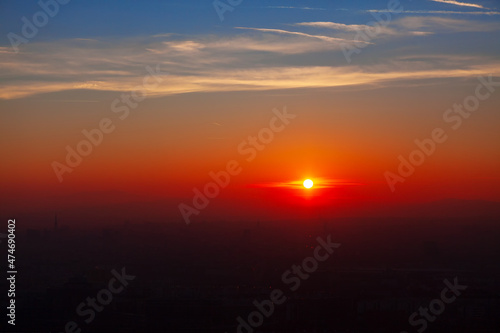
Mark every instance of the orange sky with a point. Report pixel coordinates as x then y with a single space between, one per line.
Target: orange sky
205 91
169 145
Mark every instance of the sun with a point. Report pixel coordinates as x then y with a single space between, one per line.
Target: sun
308 183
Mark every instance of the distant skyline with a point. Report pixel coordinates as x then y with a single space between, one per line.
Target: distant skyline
174 90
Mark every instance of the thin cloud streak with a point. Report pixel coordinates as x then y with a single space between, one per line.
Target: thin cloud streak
291 7
444 24
325 38
381 31
457 3
437 12
334 26
406 26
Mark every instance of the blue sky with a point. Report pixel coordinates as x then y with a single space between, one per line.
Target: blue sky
94 18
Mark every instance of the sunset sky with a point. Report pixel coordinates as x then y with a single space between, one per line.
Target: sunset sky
218 81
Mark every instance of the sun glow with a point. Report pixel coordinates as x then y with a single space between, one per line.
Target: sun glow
308 183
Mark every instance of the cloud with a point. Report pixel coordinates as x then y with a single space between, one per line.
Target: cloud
380 30
436 12
6 49
457 3
213 64
325 38
334 26
407 26
291 7
444 24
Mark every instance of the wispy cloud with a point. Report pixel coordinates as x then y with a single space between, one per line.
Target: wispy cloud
279 31
381 31
457 3
292 7
436 12
211 64
333 25
445 24
409 26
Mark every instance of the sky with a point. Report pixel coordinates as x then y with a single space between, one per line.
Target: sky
174 90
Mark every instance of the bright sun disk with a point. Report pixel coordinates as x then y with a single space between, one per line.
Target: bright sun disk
308 183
